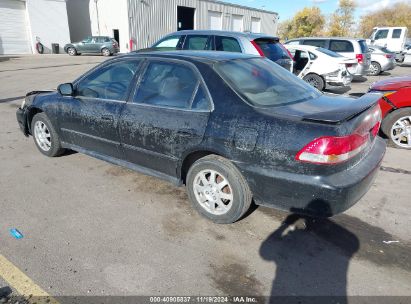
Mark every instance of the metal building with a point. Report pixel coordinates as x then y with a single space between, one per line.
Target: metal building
152 19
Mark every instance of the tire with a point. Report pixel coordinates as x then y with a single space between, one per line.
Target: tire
72 51
375 69
45 136
106 52
228 182
315 80
391 128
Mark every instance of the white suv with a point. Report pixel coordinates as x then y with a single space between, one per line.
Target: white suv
347 47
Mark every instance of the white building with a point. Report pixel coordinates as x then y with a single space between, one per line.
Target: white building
23 22
137 24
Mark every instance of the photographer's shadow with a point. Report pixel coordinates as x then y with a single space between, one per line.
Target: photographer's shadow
312 257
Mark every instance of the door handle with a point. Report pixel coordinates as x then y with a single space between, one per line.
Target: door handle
107 118
186 132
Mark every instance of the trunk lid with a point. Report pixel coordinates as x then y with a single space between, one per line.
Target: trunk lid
329 109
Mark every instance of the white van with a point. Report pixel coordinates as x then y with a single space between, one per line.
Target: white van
393 38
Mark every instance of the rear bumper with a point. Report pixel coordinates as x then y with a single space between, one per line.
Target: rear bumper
389 65
361 70
298 192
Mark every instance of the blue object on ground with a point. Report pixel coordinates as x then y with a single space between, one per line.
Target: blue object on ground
16 234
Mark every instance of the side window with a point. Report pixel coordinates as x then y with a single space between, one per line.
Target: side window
167 84
200 101
312 56
396 33
108 82
319 43
196 42
292 42
169 42
341 46
87 40
381 34
227 44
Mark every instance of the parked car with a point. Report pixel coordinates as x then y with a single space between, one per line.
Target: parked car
396 109
382 60
232 127
351 48
393 38
96 44
321 67
247 43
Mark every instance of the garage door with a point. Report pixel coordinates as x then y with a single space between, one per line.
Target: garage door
13 27
237 23
215 20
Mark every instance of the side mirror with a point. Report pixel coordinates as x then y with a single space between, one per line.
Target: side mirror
66 89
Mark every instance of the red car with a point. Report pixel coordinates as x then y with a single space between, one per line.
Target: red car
396 109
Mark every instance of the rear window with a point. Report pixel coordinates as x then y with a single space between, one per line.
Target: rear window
320 43
396 33
328 52
263 83
227 44
363 46
272 49
342 46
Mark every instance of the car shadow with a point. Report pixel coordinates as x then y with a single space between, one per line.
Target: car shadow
5 292
306 266
357 94
359 79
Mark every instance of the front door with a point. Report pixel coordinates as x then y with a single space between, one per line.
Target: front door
91 117
167 116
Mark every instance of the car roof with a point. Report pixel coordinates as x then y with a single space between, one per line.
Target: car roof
198 56
326 38
248 35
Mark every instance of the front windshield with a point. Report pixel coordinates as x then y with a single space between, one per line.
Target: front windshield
328 52
264 83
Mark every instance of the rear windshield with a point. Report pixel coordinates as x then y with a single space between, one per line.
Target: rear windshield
328 52
272 49
264 83
363 45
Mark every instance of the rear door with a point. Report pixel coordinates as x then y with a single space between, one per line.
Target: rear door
167 115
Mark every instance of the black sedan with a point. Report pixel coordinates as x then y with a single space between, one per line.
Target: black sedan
234 128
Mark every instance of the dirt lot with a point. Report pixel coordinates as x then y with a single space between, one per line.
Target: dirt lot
92 228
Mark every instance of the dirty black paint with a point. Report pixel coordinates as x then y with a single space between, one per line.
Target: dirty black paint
262 142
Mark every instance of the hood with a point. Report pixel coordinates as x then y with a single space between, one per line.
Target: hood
329 109
392 84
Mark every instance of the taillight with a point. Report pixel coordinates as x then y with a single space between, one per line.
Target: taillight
348 65
360 58
258 48
388 56
337 149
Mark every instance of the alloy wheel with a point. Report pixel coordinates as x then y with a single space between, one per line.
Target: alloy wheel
42 135
401 132
213 192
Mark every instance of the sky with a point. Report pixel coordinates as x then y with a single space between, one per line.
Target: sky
287 9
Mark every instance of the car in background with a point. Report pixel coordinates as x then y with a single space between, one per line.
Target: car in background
238 42
97 44
233 128
321 67
393 38
396 109
382 60
348 47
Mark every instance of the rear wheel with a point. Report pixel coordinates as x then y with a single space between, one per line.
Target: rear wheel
397 127
45 137
106 52
315 80
375 69
218 190
72 51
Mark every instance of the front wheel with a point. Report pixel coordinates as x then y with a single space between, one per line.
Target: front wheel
218 190
375 69
397 127
315 80
72 51
45 137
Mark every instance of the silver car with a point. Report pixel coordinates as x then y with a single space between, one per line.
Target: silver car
348 47
382 60
248 43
